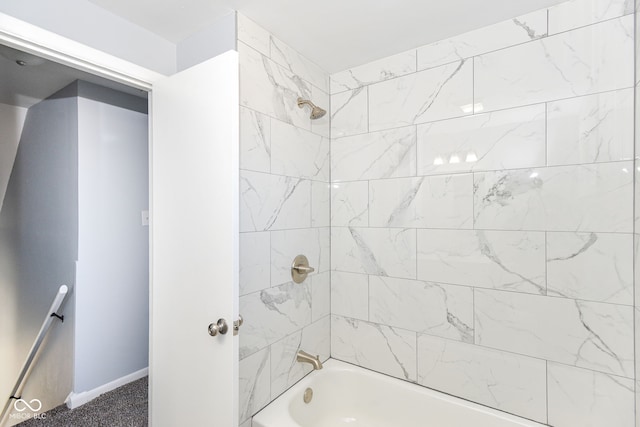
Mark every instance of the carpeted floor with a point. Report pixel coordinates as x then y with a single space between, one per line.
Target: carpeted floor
123 407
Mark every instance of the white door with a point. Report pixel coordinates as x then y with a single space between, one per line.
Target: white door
194 246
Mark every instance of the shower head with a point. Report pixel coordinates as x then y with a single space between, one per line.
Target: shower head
316 112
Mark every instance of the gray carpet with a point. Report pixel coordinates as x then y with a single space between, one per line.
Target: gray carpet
123 407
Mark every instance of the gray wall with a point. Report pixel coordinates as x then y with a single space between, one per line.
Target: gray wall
207 43
112 289
38 248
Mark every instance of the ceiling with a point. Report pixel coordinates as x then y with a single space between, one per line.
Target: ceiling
24 86
336 34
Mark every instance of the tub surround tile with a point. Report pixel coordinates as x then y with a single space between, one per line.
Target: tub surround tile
298 153
255 141
350 295
287 244
320 295
590 129
593 59
578 13
267 87
498 36
285 369
581 398
350 204
444 201
320 204
591 266
253 35
424 307
391 351
246 423
506 260
596 197
287 57
349 113
439 93
508 139
498 379
272 202
379 251
254 383
376 155
271 314
591 335
373 72
255 254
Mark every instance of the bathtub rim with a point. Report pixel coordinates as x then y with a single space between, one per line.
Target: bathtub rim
277 407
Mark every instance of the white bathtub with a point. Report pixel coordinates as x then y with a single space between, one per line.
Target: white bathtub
345 395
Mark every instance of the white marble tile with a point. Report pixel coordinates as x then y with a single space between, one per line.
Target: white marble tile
255 141
349 113
285 369
501 380
424 307
287 244
442 201
246 423
591 335
590 129
379 251
373 72
304 68
350 295
386 154
271 202
350 204
439 93
597 197
252 34
637 38
388 350
593 59
299 153
321 126
498 36
272 314
507 260
578 13
320 204
270 89
583 398
320 295
509 139
591 266
255 254
254 383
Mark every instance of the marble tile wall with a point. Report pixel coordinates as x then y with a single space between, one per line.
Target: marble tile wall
636 236
482 215
284 211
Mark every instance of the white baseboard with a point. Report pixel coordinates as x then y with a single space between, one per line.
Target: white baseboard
75 400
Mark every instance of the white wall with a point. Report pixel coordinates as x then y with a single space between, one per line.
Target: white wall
38 250
89 24
11 123
112 288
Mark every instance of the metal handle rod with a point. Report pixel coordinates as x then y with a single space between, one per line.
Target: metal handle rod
26 367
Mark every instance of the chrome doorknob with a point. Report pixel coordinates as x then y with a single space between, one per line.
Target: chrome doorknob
220 327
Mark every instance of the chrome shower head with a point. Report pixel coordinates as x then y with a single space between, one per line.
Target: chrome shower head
316 112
